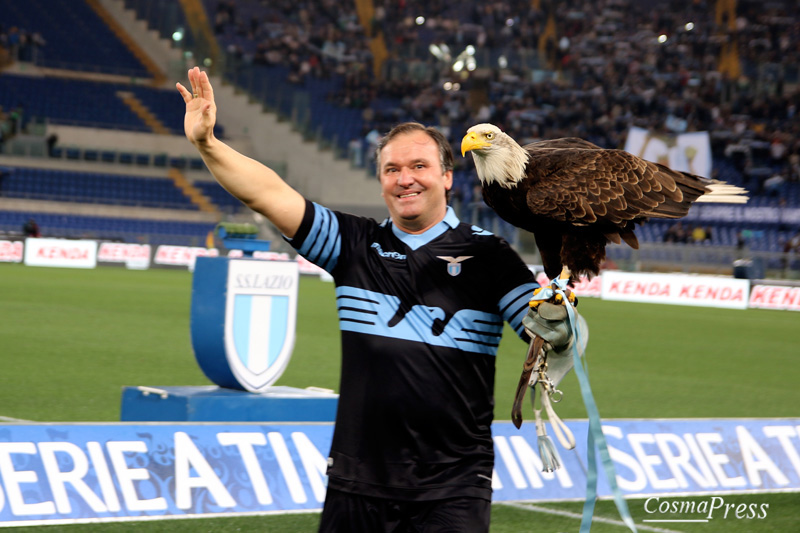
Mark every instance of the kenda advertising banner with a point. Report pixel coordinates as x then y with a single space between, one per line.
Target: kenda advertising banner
11 251
65 253
133 255
705 291
775 297
181 255
103 472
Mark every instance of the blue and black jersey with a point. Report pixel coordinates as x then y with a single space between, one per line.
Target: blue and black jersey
421 319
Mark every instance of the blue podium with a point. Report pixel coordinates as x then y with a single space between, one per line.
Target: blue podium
218 404
243 317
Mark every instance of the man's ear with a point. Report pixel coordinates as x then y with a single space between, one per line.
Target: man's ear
448 183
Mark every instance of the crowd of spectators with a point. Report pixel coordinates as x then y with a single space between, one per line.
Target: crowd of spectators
16 44
19 44
11 123
589 68
688 234
600 70
313 39
543 69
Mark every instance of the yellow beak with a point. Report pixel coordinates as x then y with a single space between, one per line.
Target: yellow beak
471 142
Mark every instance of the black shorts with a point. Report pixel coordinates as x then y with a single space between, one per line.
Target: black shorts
353 513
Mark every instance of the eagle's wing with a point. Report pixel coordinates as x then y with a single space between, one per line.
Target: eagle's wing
572 182
564 142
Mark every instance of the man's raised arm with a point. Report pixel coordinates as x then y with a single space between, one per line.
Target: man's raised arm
259 187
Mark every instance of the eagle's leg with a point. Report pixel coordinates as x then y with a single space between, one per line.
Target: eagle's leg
559 283
563 283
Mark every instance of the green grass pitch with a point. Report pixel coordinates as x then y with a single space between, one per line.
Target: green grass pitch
71 339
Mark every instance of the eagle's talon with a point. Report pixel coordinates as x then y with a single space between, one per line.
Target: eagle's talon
534 303
571 298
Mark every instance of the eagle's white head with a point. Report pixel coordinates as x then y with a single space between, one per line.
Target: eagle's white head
498 157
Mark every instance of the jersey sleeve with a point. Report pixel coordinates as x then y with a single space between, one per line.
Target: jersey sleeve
516 288
319 238
327 238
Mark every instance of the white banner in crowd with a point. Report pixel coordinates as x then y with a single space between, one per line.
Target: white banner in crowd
744 214
64 253
688 152
71 473
11 251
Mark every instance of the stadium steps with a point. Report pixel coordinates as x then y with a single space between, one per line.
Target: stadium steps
158 76
377 43
192 192
142 111
196 16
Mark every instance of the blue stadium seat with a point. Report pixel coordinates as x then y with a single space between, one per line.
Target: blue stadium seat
77 38
68 186
127 230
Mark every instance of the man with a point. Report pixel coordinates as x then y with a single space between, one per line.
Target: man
31 228
421 300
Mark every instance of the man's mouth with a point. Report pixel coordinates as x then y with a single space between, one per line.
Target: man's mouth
408 195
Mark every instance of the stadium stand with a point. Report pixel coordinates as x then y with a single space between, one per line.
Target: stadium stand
110 228
69 35
91 103
92 187
544 70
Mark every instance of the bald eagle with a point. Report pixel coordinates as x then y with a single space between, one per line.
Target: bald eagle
576 197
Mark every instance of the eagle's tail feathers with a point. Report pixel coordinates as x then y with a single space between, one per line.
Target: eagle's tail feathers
721 192
667 210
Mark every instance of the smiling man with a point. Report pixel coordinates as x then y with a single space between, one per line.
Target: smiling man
416 174
422 299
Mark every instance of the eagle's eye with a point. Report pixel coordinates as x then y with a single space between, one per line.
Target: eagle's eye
489 136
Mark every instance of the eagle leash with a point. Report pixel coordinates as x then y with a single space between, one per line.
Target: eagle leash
537 358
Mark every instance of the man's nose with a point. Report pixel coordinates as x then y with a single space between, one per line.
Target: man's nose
404 178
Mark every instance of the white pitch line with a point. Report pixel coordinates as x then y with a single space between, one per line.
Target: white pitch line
577 516
9 419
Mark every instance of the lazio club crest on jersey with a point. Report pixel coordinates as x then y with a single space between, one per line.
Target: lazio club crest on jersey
256 333
454 263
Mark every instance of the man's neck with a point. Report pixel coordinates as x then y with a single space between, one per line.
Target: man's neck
420 238
413 229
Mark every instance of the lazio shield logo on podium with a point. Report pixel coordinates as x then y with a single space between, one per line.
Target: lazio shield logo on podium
243 320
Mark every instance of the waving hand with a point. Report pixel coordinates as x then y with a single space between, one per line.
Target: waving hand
201 111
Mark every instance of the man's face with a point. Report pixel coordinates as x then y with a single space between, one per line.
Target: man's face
413 184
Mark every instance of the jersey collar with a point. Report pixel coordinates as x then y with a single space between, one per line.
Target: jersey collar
415 240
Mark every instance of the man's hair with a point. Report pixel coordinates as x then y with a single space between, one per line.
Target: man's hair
446 158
